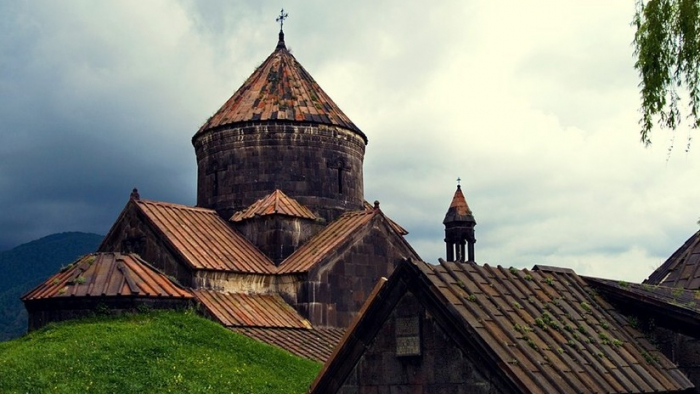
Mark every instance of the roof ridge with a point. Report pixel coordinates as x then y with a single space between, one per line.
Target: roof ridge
173 205
279 202
277 199
226 249
310 253
664 274
103 274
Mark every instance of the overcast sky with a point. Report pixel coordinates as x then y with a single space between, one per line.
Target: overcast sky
533 104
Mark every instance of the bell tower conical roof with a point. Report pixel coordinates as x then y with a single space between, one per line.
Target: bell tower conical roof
459 210
280 89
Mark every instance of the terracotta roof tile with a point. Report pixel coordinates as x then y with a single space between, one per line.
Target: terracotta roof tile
682 269
326 241
672 296
459 210
561 337
280 89
250 310
204 240
397 227
275 203
108 275
315 344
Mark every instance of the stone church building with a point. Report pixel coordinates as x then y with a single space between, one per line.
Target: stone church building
281 246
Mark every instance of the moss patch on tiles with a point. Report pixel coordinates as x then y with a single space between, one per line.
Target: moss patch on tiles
151 352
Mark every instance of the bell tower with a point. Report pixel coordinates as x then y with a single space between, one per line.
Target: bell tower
459 229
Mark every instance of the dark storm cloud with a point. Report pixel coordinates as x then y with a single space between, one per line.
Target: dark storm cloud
79 131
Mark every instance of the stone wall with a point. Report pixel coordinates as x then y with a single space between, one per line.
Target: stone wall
234 282
318 165
440 366
278 236
337 287
42 312
683 350
130 234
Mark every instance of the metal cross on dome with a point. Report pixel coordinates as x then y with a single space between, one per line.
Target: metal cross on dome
458 181
281 18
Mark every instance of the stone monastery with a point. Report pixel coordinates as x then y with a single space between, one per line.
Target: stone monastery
281 244
283 248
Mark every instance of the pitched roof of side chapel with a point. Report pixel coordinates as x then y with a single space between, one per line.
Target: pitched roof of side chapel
682 269
108 275
544 329
280 89
202 238
675 308
397 227
338 233
275 203
315 344
269 319
250 310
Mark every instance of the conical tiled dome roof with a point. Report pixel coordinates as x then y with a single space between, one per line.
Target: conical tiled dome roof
459 210
280 89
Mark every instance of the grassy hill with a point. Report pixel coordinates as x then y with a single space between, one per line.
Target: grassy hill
156 352
27 265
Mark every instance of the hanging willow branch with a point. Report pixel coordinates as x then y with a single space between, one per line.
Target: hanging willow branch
667 46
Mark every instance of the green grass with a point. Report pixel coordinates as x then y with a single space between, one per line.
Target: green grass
156 352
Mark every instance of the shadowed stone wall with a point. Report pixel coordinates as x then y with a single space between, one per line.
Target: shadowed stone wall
278 236
131 235
441 367
335 290
683 350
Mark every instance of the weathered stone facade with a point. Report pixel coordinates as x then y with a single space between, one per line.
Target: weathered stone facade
319 165
441 367
683 350
60 309
131 234
335 289
278 236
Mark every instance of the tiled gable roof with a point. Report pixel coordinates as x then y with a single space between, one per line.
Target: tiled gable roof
563 338
674 308
280 90
682 269
670 296
108 275
275 203
328 240
269 319
250 310
203 239
544 329
397 227
315 344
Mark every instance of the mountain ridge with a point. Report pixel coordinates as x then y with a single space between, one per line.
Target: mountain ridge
25 266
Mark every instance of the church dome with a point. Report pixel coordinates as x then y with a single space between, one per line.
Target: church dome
280 131
280 89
